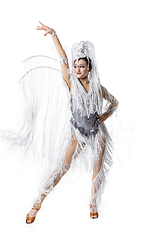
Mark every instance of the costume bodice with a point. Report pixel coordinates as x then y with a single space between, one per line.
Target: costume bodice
87 125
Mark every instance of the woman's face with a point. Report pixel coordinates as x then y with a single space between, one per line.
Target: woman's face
81 69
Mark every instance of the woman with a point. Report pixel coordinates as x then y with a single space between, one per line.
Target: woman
86 126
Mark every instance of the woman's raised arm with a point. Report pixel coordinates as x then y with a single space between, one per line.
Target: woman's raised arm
60 50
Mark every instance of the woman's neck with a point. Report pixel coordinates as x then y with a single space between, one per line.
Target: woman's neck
85 84
84 81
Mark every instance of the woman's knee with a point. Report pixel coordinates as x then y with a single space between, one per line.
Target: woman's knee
71 149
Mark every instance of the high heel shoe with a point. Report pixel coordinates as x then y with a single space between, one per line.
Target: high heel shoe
93 215
32 219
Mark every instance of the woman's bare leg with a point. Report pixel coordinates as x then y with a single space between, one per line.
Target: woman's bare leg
96 183
55 177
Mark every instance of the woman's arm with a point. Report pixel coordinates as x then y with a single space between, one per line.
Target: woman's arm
112 107
60 50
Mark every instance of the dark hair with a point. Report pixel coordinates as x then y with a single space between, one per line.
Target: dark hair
87 60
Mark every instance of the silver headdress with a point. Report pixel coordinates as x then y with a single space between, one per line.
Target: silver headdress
80 50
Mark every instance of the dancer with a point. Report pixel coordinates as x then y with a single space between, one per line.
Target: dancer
84 130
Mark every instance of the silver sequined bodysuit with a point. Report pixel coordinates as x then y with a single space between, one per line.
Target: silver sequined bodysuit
86 125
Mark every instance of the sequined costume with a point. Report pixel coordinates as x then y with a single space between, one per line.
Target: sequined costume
87 125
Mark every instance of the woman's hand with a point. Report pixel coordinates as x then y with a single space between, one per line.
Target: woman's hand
102 118
46 29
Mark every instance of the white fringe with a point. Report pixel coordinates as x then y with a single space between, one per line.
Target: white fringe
47 131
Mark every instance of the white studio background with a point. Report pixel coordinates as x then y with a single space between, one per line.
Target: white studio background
126 36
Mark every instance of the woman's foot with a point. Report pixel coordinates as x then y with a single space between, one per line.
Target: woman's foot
93 212
32 214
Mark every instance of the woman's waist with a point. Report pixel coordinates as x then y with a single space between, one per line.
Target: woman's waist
85 121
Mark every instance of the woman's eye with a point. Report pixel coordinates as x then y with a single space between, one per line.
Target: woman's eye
79 66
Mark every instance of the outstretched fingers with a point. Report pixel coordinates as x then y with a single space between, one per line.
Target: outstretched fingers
41 27
41 23
45 28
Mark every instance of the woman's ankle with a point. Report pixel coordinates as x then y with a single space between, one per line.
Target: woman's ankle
37 205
